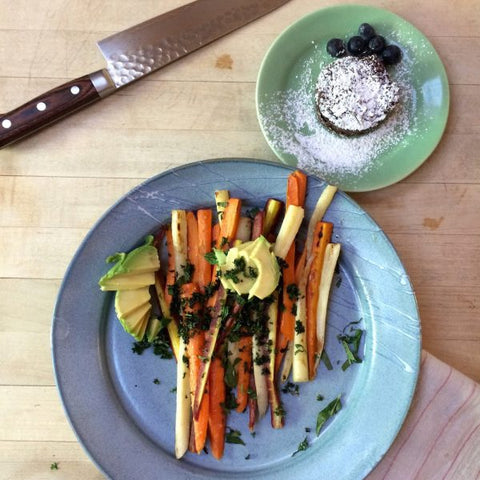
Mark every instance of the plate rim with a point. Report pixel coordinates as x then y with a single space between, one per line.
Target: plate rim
249 161
347 6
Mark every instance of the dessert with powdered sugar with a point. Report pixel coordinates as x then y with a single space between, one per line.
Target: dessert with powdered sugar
355 94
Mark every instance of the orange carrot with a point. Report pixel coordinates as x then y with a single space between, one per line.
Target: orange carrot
322 236
287 322
230 219
245 364
204 269
192 244
296 189
302 184
217 417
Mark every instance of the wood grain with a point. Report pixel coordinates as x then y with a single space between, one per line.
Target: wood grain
55 185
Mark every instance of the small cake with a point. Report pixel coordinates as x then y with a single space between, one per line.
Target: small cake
355 94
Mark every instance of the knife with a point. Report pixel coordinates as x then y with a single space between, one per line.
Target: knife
133 54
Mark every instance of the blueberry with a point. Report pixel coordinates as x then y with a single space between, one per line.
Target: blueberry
376 44
336 47
391 55
356 45
366 31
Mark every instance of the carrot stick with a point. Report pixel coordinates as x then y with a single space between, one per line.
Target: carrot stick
296 189
322 236
230 219
192 241
217 417
302 186
287 322
228 231
204 269
245 364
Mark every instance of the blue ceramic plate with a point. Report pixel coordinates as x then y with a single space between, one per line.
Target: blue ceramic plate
124 418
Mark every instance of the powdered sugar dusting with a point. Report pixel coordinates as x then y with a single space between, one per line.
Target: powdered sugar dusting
290 121
355 94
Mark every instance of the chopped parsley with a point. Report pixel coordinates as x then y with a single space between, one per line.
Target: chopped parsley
351 344
211 258
302 446
299 327
329 411
293 291
299 348
233 436
320 398
326 360
291 388
54 466
156 381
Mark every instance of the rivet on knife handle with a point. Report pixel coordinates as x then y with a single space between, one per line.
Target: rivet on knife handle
53 105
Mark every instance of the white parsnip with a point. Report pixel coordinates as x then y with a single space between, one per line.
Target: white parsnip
221 201
287 363
300 358
259 351
183 411
179 238
332 253
323 203
288 230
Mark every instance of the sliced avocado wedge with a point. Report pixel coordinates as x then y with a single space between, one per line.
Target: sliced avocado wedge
267 267
127 282
127 301
141 260
136 322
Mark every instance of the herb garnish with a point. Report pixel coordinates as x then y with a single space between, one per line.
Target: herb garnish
54 466
291 388
293 291
329 411
351 344
233 436
303 445
156 381
326 360
299 327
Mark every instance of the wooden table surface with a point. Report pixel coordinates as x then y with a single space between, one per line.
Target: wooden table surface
55 185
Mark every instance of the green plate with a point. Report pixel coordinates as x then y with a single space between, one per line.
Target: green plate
286 107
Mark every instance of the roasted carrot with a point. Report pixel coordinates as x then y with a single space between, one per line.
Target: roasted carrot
296 189
322 236
244 367
228 231
204 269
217 417
230 219
192 244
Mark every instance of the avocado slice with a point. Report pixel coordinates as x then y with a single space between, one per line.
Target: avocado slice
127 301
141 260
245 279
136 322
127 282
267 267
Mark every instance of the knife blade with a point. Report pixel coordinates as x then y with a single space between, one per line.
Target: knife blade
132 54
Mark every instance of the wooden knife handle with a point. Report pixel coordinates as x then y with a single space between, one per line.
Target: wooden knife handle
50 107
